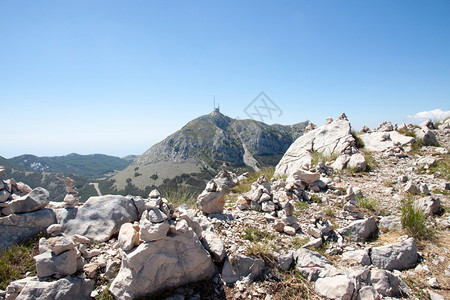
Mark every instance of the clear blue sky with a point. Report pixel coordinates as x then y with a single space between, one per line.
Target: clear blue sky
115 77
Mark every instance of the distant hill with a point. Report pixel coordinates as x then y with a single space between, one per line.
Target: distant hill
192 155
93 166
130 158
8 165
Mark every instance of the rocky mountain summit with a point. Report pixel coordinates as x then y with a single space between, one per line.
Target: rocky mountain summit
191 155
343 216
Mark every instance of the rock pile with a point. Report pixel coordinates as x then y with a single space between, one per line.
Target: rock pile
334 138
212 200
23 214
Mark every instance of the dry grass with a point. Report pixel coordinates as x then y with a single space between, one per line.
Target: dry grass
292 285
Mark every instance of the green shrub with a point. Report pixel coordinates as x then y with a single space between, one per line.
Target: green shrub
300 205
414 221
370 204
358 140
255 235
105 295
16 261
371 162
407 132
319 156
329 212
415 147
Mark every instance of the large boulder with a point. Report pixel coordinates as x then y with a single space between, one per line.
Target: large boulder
48 263
214 245
305 258
239 267
385 283
101 217
328 139
336 287
211 202
35 200
360 230
64 288
17 228
377 141
162 264
399 256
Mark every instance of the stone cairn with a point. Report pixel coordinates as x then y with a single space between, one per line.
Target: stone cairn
71 199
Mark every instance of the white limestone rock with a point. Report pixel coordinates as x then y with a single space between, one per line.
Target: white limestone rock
399 256
162 264
128 237
101 217
237 267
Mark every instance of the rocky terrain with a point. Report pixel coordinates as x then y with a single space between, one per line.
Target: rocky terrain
342 216
192 155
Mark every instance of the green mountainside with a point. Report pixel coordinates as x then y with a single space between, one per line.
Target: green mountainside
192 155
94 165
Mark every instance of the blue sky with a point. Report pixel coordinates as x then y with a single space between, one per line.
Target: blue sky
115 77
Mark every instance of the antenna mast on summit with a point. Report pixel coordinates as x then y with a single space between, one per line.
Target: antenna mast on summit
217 109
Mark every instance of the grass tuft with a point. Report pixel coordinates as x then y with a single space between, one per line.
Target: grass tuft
180 195
369 204
255 235
301 205
298 242
414 221
371 162
442 167
17 261
319 156
359 142
292 285
407 132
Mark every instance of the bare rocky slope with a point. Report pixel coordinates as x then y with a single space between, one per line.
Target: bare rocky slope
324 229
192 155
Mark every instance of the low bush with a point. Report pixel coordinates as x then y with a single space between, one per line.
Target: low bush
414 221
407 132
358 140
17 261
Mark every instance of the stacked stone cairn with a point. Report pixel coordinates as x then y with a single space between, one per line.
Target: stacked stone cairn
71 199
212 199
